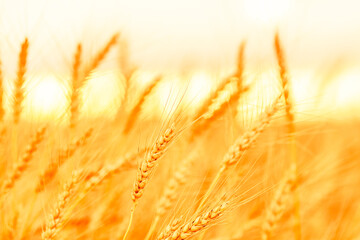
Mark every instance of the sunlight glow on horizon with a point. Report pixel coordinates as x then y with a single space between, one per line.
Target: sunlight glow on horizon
47 97
164 41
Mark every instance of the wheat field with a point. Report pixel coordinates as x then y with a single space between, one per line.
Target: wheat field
221 168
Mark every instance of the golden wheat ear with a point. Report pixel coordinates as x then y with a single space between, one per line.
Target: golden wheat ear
23 163
79 80
127 72
215 106
74 99
170 193
63 155
198 224
241 145
126 67
100 56
126 162
146 169
20 80
285 80
56 219
2 110
134 114
279 202
174 225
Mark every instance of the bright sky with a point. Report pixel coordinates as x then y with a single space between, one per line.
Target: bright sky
166 36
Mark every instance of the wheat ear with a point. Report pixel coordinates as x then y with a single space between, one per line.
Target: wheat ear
240 61
214 107
241 145
23 163
146 168
127 71
95 179
170 192
78 82
63 156
2 110
171 228
285 80
278 203
100 56
74 100
217 108
137 108
19 82
200 223
124 61
56 219
215 94
108 170
12 227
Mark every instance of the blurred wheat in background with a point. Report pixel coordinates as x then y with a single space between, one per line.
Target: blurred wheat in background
220 120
